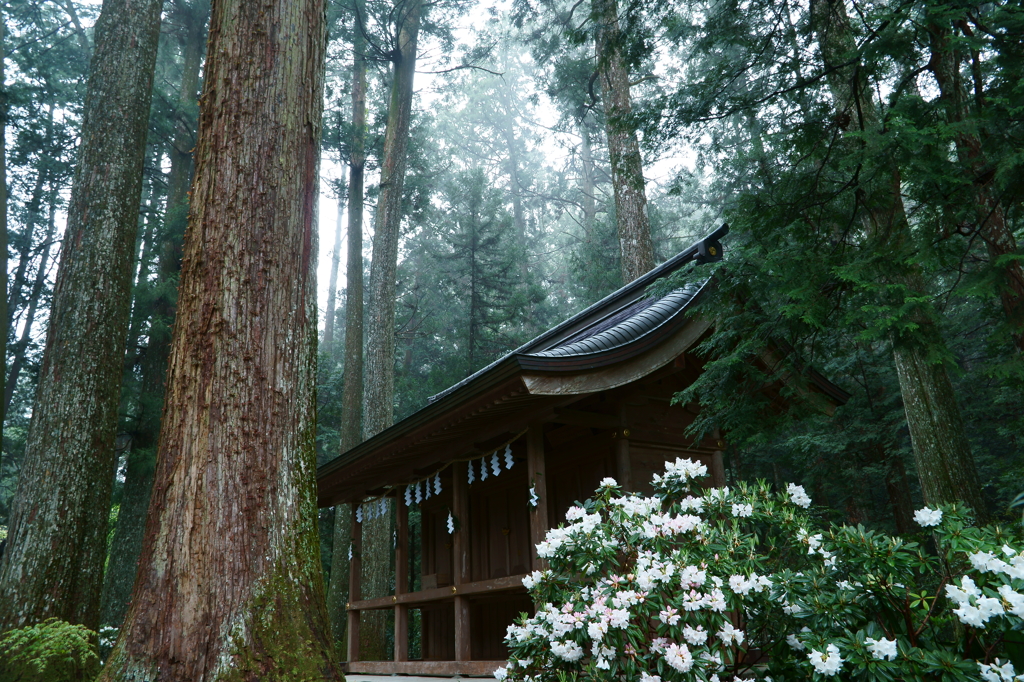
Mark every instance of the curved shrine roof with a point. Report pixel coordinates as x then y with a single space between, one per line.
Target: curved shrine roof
624 325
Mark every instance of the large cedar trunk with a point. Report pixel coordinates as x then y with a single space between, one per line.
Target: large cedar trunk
942 452
126 545
230 585
634 225
352 392
53 565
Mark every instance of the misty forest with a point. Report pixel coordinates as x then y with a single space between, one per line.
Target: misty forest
247 240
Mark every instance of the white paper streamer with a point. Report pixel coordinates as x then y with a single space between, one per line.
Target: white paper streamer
470 469
408 496
437 484
359 514
483 468
350 552
533 496
495 463
385 506
419 492
451 524
508 457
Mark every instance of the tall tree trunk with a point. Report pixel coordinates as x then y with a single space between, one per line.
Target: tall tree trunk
231 586
53 565
3 217
144 251
378 402
32 217
327 347
20 349
588 184
945 464
379 388
83 39
634 225
352 391
126 545
992 221
508 133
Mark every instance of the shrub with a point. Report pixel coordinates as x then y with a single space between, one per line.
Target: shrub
695 584
51 651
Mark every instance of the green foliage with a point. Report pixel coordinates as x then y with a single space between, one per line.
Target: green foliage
52 651
700 584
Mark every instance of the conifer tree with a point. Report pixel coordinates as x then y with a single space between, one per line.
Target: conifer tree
230 586
53 565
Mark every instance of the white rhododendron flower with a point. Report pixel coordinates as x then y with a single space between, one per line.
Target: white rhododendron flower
1014 599
928 517
575 513
669 616
999 673
696 635
827 663
682 562
678 656
608 482
882 648
692 576
729 635
532 579
972 608
742 510
567 651
797 495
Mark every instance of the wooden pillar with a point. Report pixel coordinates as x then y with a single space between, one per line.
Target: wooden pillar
717 463
717 469
461 568
355 577
401 579
463 634
623 467
537 476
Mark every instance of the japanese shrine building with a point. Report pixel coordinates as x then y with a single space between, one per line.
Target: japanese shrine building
507 451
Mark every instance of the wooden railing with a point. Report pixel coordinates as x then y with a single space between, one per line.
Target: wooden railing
459 593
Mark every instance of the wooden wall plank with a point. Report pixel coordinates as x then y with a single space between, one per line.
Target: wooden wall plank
355 589
463 630
536 475
401 579
460 539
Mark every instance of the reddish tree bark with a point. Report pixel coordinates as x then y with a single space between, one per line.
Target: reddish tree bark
230 587
53 566
126 545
